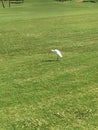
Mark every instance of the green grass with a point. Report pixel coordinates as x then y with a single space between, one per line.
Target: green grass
36 91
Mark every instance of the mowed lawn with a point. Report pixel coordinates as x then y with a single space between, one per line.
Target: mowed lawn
36 91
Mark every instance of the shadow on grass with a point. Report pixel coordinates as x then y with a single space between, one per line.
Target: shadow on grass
49 60
62 0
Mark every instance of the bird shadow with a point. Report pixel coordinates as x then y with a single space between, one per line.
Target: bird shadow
49 60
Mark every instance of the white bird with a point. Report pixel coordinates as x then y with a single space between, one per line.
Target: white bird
57 52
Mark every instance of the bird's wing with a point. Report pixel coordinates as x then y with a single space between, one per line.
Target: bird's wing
58 53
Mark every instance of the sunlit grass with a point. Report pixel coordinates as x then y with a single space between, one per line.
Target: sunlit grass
36 91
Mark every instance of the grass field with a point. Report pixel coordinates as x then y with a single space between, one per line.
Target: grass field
36 91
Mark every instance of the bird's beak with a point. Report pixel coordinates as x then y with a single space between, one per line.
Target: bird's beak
49 52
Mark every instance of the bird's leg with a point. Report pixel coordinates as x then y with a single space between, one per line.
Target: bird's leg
57 58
